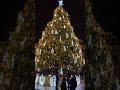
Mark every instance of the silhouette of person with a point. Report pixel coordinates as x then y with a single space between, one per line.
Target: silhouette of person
68 80
73 82
63 85
57 79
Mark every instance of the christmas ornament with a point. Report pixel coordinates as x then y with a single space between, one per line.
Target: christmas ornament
64 26
77 56
64 48
72 42
80 51
73 56
45 43
52 32
54 20
56 32
67 14
52 50
71 35
60 38
61 71
60 18
55 15
51 24
40 51
68 23
43 33
66 35
75 61
61 10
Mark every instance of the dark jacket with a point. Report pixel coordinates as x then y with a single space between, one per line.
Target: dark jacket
73 83
63 85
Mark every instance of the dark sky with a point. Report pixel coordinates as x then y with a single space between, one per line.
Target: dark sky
8 15
45 10
104 11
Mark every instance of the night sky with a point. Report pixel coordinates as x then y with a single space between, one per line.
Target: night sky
45 10
8 15
104 11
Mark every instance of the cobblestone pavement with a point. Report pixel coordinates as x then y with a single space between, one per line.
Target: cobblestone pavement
79 87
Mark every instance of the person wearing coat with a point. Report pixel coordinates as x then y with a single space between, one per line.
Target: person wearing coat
63 85
73 83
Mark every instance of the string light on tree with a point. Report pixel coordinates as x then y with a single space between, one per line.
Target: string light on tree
45 43
72 42
43 33
75 61
80 51
60 38
64 26
55 15
77 56
66 35
54 20
64 48
51 24
52 50
63 45
52 32
68 23
40 51
67 14
56 32
60 18
61 10
71 35
67 47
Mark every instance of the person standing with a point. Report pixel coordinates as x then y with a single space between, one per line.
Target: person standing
73 82
57 79
68 80
63 85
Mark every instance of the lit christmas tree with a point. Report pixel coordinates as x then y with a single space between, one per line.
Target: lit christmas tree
59 47
21 50
99 66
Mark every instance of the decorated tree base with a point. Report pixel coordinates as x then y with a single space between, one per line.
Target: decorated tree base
48 81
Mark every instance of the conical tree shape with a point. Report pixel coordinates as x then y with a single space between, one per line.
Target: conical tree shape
21 50
59 46
99 67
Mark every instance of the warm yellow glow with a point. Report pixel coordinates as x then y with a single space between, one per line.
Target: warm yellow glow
59 46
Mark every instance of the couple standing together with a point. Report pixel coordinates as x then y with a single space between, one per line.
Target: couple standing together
69 83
